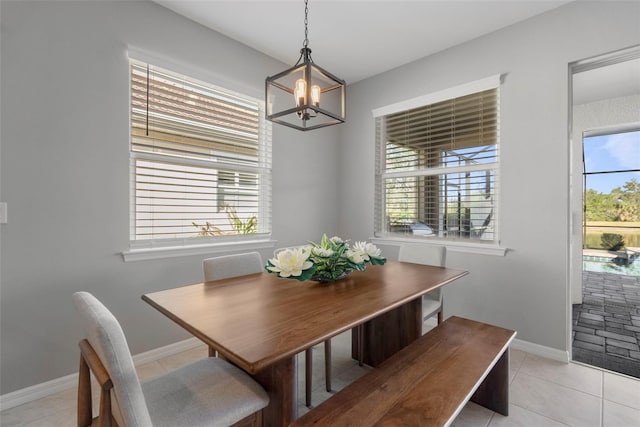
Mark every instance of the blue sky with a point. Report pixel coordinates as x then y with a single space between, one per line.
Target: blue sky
618 151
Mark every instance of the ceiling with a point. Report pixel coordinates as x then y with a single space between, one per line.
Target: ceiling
356 39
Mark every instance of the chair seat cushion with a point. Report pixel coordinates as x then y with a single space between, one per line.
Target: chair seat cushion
210 392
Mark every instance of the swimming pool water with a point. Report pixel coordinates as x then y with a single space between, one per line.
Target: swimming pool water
633 269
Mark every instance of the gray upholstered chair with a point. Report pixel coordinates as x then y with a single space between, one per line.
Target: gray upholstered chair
308 361
226 266
208 392
429 255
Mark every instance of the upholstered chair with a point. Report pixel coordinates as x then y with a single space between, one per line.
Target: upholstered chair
209 392
226 266
308 360
429 255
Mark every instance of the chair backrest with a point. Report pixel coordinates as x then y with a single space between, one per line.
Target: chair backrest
105 335
423 254
226 266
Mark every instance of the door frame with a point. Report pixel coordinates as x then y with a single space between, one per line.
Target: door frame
575 199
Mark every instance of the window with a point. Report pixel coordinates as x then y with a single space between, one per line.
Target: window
201 162
437 165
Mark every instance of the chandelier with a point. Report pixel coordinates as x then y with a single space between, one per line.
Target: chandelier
305 96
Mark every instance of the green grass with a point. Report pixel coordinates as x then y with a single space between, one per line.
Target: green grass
595 229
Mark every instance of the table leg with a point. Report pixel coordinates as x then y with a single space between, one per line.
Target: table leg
279 381
389 333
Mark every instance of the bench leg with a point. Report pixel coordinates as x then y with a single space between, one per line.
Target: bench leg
493 392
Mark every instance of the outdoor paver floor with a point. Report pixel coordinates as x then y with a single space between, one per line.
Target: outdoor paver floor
606 326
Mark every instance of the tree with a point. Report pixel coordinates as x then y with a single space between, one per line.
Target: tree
600 206
627 201
622 204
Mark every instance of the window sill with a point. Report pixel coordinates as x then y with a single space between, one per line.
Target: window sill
463 247
149 253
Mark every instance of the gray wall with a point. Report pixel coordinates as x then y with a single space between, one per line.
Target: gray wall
65 173
64 170
527 289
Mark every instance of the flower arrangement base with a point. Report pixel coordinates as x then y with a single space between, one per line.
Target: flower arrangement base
323 279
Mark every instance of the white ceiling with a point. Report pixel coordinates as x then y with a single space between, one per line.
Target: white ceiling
356 39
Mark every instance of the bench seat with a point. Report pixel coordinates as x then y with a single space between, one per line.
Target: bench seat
428 382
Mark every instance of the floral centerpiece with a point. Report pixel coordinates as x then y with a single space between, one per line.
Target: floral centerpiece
327 261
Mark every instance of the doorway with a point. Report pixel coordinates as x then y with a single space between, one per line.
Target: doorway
605 211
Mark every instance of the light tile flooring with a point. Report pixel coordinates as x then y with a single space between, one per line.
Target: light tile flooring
543 392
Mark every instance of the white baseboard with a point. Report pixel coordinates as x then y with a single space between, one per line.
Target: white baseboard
541 350
38 391
167 350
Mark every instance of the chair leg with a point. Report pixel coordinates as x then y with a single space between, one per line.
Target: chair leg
440 316
308 371
327 364
106 416
360 339
90 363
85 413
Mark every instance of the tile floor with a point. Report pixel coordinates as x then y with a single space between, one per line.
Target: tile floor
543 393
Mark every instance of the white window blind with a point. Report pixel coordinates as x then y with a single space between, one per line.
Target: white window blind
201 160
436 169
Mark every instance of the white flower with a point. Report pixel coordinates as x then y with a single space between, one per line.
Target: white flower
291 262
323 252
356 256
336 240
368 249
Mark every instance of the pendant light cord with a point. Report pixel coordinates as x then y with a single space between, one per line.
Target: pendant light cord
306 24
305 52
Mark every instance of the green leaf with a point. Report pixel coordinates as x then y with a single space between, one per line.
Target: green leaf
378 261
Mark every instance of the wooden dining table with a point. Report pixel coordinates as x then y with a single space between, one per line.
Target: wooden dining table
259 322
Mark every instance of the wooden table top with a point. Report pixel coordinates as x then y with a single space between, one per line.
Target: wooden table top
260 319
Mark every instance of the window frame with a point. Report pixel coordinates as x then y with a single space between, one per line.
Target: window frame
144 249
381 235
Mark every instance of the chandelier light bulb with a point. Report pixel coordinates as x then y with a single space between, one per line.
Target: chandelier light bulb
300 92
315 95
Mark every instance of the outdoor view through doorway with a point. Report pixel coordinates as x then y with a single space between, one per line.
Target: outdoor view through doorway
606 326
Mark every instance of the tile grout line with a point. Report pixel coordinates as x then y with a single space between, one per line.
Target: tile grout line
526 356
563 385
558 385
518 369
542 415
568 386
604 371
493 414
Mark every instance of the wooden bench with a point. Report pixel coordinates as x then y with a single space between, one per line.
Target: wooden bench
428 382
